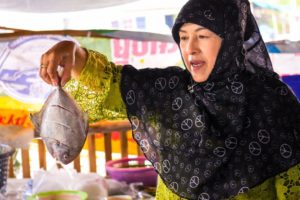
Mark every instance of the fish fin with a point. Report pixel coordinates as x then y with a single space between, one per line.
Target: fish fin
35 119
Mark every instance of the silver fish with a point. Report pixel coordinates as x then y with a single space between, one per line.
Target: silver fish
62 126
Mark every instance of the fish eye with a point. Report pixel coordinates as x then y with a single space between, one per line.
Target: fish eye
65 156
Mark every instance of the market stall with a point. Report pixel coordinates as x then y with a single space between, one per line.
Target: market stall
22 92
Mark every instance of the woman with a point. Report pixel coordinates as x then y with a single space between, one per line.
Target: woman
226 127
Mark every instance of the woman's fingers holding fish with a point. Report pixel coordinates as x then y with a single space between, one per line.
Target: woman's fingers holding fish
60 55
43 71
67 66
48 69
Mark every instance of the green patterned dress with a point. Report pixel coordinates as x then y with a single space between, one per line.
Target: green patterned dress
98 93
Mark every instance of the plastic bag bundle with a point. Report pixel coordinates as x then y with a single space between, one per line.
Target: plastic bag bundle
68 179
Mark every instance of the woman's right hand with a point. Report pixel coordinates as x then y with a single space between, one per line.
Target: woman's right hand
66 54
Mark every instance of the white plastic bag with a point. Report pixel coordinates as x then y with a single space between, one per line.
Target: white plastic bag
66 179
93 184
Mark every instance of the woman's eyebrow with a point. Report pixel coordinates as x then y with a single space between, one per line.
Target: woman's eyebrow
196 30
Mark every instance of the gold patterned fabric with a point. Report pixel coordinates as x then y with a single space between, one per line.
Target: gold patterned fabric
98 93
285 186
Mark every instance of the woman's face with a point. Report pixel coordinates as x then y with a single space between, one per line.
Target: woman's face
199 48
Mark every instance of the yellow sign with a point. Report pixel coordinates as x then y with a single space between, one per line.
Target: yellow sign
14 112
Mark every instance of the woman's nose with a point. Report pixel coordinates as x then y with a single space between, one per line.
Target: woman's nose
192 46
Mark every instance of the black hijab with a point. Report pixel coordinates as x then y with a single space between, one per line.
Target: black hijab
219 138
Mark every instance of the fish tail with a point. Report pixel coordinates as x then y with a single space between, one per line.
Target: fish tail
35 119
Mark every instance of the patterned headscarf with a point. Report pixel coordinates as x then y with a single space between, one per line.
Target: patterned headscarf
233 21
218 138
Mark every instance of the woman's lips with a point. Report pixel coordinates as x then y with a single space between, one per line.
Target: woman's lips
197 65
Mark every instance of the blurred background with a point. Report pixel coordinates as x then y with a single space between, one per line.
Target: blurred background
277 19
